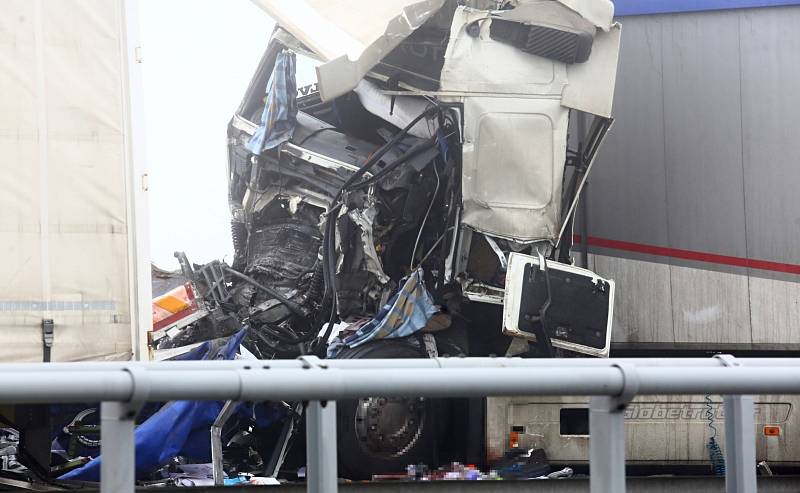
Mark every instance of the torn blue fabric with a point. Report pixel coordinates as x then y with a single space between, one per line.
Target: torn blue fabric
407 312
178 428
280 109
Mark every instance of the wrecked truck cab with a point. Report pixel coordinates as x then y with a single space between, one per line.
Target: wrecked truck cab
511 82
415 197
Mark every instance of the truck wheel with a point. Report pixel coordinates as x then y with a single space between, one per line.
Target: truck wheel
379 435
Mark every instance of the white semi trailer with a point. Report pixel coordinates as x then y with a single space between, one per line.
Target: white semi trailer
692 210
74 266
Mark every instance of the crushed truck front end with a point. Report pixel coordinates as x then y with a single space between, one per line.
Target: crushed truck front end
404 186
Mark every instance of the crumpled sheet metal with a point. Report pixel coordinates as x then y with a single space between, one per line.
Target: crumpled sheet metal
598 12
482 65
351 36
406 313
364 220
511 186
280 251
399 112
592 83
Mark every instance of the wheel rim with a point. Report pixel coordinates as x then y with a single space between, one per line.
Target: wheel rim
389 427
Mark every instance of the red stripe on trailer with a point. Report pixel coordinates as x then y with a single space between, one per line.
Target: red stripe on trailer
711 258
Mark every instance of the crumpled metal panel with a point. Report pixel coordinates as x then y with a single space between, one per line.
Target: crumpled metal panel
598 12
351 36
591 84
513 157
365 219
516 113
283 251
483 65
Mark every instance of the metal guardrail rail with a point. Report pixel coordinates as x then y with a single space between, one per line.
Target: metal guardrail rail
123 388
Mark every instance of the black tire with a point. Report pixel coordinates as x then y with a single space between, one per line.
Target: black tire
364 451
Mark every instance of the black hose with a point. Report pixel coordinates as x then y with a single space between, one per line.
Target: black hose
377 155
283 334
330 235
316 132
329 239
292 306
281 339
410 154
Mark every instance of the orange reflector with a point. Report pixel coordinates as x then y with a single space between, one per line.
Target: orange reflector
513 439
173 305
772 431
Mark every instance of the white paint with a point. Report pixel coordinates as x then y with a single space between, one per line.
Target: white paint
140 284
44 195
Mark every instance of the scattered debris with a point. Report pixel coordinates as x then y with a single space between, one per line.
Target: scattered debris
9 442
531 464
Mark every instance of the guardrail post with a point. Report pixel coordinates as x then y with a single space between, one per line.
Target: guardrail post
606 445
740 444
118 463
117 446
607 434
321 465
740 438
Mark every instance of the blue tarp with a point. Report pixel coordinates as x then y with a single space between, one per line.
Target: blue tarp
280 109
179 427
641 7
406 313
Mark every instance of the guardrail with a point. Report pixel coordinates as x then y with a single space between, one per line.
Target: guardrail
123 388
